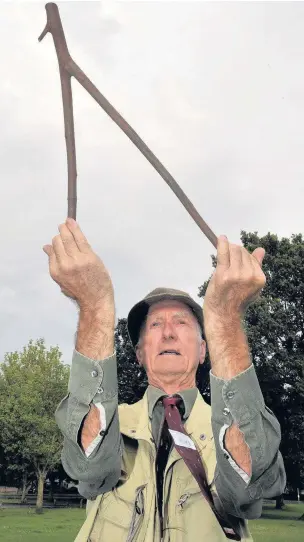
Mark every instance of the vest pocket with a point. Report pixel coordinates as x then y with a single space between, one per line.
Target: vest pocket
119 518
194 518
191 498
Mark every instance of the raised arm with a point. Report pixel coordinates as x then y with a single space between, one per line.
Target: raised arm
88 415
247 434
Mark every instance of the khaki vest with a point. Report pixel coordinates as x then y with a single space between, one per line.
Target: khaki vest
128 512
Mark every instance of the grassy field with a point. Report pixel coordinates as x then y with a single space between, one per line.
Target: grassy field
279 525
23 525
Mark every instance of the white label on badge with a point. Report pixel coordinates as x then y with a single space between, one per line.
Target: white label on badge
182 440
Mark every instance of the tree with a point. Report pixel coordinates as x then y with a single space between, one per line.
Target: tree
32 384
132 380
274 325
20 472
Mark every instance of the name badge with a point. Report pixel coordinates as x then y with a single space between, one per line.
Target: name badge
181 440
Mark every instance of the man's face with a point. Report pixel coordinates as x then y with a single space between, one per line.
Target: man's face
171 344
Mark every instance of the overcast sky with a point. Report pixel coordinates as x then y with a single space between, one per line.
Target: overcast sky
217 92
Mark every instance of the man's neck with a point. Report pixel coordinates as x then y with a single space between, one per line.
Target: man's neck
170 388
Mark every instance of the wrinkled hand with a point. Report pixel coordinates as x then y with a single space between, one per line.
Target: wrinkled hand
236 282
79 272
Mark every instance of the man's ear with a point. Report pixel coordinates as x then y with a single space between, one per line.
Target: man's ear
203 349
139 355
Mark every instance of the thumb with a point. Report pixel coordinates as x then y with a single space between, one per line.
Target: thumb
259 254
48 249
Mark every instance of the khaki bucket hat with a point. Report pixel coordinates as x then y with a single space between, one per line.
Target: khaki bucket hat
139 312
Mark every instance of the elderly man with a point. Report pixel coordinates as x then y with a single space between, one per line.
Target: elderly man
169 467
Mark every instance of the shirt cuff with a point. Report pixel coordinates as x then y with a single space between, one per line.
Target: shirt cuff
93 379
239 399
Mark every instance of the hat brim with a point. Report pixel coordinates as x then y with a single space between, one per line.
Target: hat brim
139 312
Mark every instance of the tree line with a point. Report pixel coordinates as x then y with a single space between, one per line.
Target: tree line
33 381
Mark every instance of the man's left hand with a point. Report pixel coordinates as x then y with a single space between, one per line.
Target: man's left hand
236 282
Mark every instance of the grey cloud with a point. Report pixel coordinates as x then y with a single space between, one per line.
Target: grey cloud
216 91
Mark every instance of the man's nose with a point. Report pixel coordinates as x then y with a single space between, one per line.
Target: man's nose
169 331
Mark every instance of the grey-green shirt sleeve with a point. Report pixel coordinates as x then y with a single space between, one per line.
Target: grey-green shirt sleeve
91 382
240 401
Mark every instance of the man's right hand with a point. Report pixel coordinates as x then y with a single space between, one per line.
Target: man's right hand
79 272
83 277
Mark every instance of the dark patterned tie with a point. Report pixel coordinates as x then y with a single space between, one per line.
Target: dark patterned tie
191 457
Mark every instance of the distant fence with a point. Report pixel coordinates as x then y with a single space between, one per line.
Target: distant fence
4 490
59 500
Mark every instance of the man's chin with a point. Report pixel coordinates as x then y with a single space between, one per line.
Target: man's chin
170 367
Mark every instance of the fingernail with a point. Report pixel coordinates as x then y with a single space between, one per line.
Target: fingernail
70 221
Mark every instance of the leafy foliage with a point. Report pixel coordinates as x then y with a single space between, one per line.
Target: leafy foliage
32 384
132 380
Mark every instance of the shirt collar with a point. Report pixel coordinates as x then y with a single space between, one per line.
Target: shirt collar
188 397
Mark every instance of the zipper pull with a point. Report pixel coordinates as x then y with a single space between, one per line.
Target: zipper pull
182 500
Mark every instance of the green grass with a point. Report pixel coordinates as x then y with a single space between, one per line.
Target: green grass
23 525
279 525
